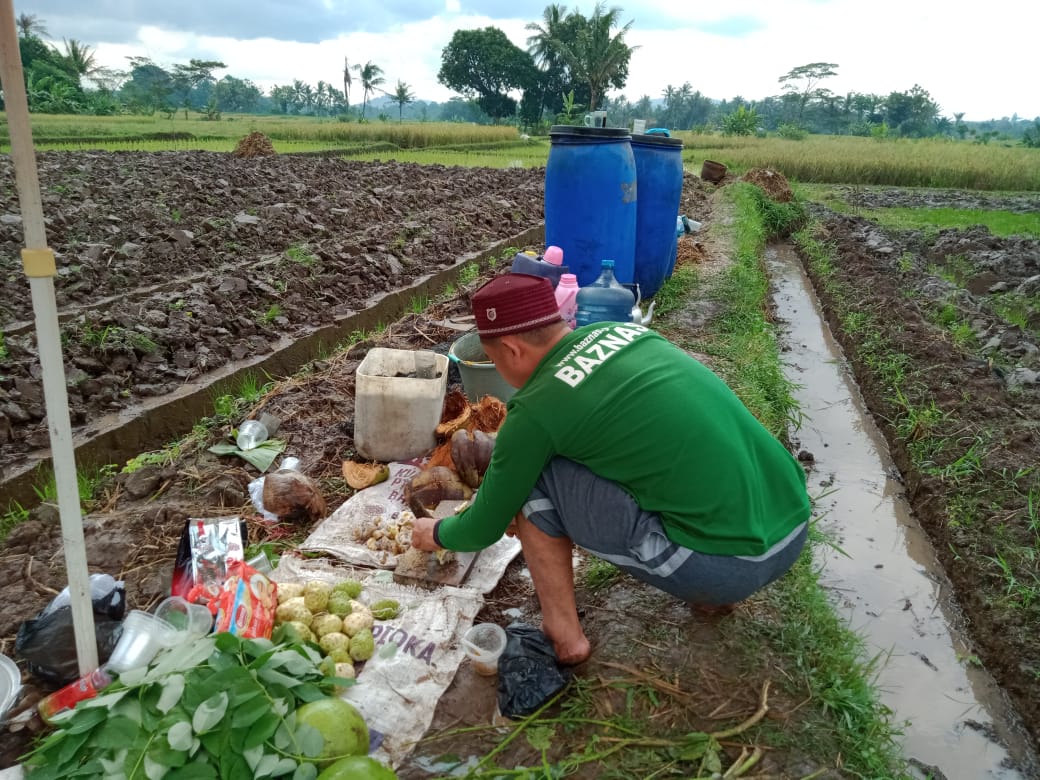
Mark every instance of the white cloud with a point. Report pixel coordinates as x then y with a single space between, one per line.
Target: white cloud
977 62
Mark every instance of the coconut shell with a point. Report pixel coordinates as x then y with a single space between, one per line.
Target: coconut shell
293 497
471 453
488 415
363 475
456 414
431 486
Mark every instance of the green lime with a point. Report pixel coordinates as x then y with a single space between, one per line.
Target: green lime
357 768
340 725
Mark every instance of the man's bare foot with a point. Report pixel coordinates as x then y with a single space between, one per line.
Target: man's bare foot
570 650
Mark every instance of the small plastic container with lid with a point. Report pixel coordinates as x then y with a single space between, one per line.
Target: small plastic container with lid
567 299
605 300
533 265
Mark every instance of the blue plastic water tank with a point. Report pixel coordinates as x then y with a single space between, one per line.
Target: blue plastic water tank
604 300
590 200
659 170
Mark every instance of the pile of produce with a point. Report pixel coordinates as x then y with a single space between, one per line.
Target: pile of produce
331 617
220 706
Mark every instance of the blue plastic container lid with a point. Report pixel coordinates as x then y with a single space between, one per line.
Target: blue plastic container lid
588 132
646 139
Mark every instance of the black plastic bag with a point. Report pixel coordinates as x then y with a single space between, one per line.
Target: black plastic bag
528 672
48 641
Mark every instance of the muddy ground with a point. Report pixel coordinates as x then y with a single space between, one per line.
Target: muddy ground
310 235
171 265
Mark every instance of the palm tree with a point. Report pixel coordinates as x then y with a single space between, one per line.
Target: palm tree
31 24
543 48
371 77
347 82
542 45
403 95
81 57
597 57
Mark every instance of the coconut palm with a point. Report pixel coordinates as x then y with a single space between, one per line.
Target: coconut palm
31 24
347 82
371 77
403 95
542 45
80 57
596 56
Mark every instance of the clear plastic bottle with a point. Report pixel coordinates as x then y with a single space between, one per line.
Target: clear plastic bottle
605 300
567 299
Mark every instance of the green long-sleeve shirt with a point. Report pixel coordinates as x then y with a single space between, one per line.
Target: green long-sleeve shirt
637 410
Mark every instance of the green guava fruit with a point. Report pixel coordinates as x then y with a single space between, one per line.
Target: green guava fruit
358 768
340 725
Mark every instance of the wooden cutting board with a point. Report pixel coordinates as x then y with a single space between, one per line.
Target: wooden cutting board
414 569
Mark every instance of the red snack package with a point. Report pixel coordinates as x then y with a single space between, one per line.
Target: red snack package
246 605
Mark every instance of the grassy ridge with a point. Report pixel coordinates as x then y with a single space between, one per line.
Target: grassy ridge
52 128
820 159
893 162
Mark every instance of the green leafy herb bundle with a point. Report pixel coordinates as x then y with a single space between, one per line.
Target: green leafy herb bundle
221 707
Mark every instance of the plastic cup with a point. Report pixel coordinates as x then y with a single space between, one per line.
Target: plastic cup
250 434
261 563
143 636
484 644
186 619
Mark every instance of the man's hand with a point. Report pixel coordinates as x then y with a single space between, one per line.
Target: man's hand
422 534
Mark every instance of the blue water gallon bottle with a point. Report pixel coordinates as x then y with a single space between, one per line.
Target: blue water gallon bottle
605 300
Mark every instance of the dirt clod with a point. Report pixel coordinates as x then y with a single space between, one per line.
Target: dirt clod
771 182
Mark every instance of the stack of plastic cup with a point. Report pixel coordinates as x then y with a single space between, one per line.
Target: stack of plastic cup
186 620
144 635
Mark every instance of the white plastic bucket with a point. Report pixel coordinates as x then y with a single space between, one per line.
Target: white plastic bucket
398 403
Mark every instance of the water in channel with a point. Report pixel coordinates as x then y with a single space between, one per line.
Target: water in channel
888 583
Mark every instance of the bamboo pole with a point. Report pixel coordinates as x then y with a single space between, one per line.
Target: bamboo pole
38 264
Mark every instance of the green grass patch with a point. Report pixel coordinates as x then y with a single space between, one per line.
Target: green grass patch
301 254
744 343
903 162
598 573
89 483
1000 223
14 515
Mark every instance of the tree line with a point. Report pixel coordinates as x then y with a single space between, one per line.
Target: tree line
570 64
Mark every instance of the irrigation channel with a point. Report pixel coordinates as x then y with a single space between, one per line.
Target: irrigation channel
882 569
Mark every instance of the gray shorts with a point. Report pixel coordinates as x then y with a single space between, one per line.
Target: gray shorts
599 516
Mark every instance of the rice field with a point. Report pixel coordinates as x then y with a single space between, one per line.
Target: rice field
815 159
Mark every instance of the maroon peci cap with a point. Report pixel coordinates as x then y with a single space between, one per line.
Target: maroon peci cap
514 303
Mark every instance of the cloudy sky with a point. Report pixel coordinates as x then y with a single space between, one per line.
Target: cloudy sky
977 59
